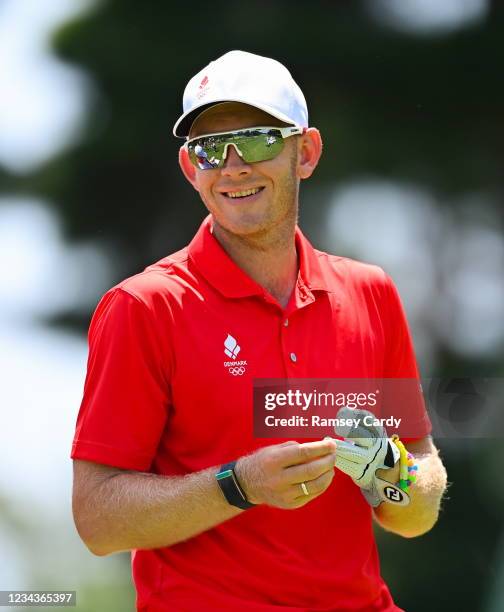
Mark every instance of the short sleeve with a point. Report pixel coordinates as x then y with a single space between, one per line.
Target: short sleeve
400 363
126 391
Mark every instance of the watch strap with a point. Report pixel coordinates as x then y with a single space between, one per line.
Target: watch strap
231 488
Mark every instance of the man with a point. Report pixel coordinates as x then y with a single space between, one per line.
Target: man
166 464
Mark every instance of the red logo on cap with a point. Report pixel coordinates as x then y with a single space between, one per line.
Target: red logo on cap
203 87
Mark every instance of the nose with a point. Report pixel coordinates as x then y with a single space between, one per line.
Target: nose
234 164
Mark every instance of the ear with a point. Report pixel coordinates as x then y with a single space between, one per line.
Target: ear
309 152
186 166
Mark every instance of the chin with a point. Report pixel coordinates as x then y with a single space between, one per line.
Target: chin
243 228
243 223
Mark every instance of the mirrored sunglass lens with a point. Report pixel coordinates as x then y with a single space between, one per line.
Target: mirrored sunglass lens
261 147
206 154
254 145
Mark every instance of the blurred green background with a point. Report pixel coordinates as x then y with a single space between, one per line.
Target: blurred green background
409 97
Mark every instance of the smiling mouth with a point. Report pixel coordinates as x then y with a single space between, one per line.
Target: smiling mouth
243 194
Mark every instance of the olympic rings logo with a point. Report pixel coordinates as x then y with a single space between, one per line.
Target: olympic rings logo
237 371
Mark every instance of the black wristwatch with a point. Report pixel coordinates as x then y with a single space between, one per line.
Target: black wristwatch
228 482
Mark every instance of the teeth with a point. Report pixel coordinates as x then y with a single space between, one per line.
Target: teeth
242 194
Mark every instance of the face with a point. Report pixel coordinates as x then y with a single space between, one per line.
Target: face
274 201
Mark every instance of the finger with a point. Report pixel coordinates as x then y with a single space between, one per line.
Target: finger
314 487
301 453
309 471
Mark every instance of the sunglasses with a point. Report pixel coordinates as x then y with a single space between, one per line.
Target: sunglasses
253 144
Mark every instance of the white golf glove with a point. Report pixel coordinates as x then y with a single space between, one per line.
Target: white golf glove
365 449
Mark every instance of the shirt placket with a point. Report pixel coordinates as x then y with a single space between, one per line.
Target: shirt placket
290 333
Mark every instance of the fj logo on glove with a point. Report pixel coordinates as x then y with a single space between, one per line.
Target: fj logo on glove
393 494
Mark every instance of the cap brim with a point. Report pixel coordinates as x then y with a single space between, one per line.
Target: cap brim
184 123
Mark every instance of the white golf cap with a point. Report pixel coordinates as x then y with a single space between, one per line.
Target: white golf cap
239 76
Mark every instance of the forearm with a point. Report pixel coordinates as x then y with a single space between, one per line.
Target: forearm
426 494
138 510
117 510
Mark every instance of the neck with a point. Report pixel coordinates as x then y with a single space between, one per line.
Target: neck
269 258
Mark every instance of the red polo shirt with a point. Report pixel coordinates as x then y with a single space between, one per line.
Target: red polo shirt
160 397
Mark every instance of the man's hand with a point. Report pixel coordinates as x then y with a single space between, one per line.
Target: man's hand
273 474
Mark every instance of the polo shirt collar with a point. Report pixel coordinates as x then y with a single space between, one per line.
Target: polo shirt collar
221 272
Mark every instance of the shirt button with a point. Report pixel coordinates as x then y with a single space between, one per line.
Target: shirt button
286 323
293 357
